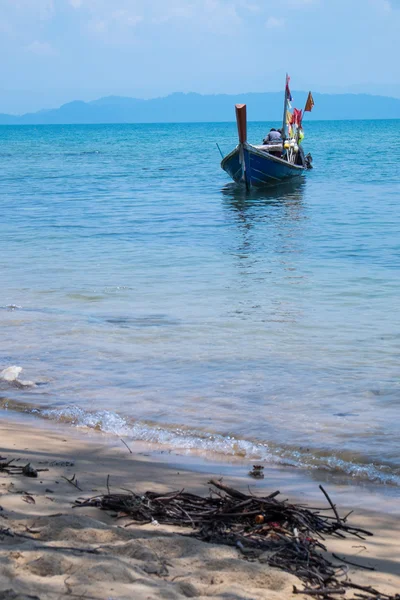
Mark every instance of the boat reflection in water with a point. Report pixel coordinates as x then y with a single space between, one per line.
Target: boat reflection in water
281 204
290 192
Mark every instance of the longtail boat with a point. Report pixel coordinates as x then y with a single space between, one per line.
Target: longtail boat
271 162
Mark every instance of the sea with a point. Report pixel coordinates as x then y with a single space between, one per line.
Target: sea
147 296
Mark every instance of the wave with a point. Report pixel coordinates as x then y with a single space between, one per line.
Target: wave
187 440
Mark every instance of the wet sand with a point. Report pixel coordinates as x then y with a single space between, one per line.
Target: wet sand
151 561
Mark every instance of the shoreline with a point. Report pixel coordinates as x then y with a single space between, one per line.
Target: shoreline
153 567
216 448
348 490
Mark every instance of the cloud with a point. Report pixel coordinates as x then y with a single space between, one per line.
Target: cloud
223 17
387 5
97 26
44 9
5 27
41 48
302 3
274 23
220 17
124 17
250 6
217 16
114 26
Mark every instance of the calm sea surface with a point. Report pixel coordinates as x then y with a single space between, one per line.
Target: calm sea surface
148 296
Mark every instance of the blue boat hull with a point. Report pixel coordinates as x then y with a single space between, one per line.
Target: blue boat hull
246 164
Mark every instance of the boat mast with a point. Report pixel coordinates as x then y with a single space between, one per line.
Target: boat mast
285 110
241 121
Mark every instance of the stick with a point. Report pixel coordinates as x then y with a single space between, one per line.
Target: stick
125 444
228 490
273 495
319 592
73 481
348 562
368 589
331 503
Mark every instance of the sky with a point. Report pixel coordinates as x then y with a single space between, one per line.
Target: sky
55 51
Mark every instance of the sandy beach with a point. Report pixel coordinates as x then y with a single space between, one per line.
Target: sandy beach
50 554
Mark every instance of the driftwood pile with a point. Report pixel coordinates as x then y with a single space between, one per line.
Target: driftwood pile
283 535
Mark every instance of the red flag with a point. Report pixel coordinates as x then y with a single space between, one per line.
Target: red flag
310 103
297 117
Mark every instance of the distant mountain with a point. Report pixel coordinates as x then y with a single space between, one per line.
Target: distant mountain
181 108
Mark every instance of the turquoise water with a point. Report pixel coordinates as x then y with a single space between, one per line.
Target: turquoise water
148 296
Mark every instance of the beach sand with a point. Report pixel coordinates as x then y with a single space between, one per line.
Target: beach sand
139 562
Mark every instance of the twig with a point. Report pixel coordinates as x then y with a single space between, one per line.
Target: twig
363 588
125 444
228 490
73 481
331 503
348 562
319 591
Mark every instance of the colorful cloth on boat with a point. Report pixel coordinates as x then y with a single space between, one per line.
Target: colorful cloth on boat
297 117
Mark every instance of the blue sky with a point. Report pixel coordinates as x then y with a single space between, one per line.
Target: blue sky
55 51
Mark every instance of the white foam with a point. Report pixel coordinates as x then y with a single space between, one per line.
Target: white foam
187 440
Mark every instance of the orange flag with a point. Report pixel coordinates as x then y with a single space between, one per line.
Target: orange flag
310 103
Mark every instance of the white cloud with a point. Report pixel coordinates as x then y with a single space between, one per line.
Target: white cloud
219 17
41 48
112 21
274 23
113 26
253 8
302 3
173 10
44 9
47 9
124 17
97 26
5 27
387 6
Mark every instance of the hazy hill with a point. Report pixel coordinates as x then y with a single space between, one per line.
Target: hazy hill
220 107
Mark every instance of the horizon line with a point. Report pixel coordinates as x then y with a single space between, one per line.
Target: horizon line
182 122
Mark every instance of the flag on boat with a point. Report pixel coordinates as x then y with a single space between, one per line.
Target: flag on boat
288 94
297 117
310 103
